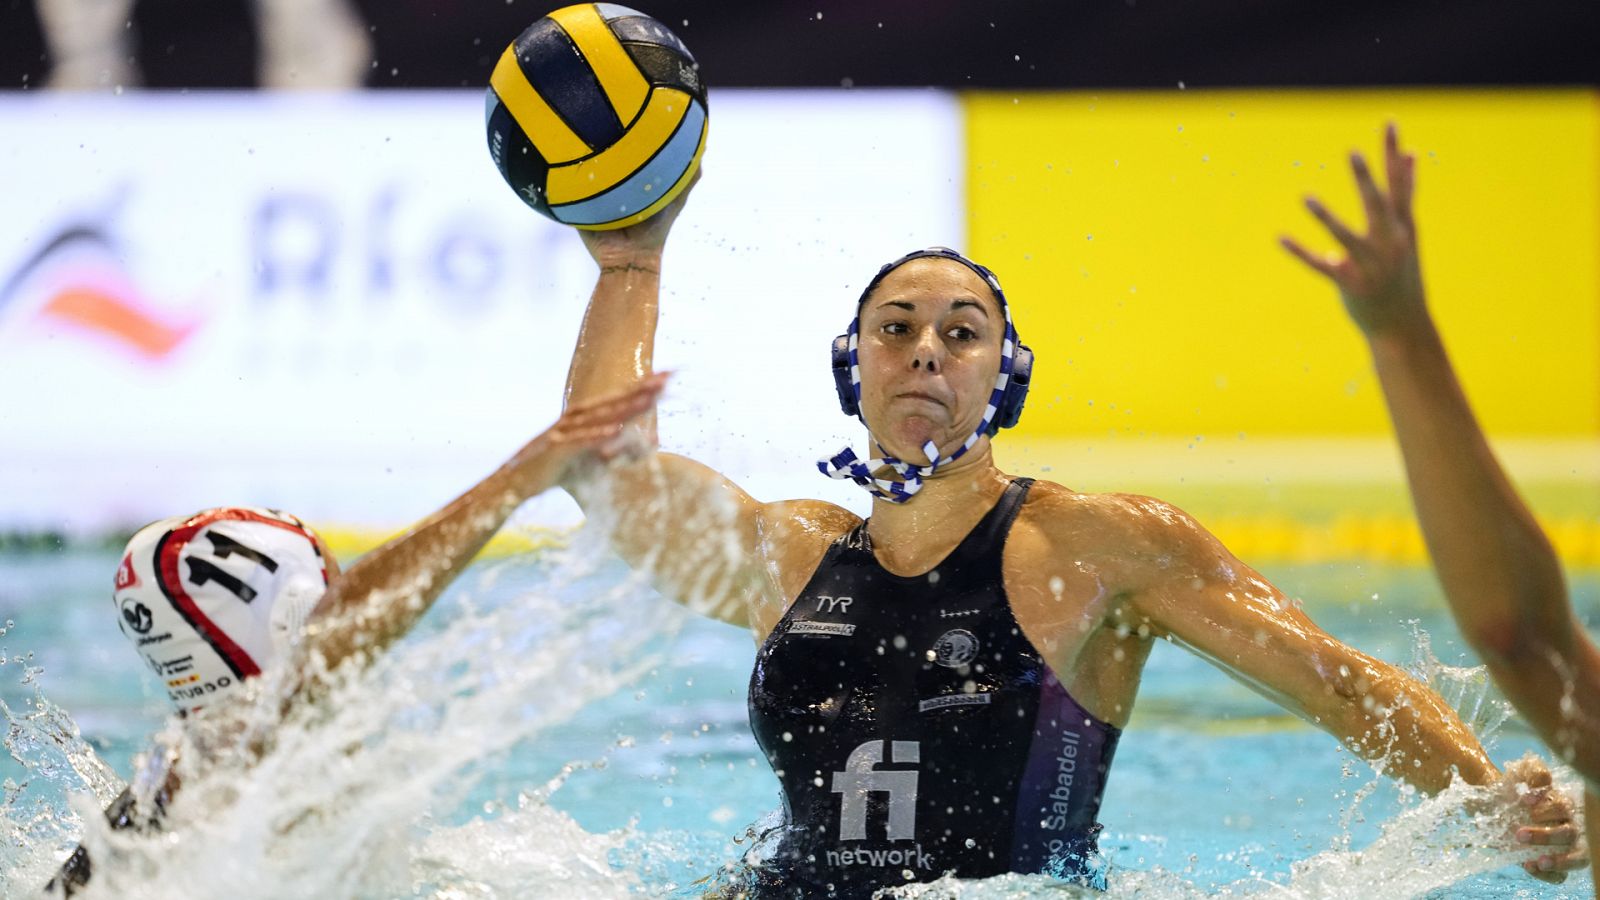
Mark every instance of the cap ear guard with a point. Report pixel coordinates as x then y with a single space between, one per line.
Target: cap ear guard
1010 411
841 376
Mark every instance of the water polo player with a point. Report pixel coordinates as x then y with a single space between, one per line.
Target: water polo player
940 688
218 598
1500 574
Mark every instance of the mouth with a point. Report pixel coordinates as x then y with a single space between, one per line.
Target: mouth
919 395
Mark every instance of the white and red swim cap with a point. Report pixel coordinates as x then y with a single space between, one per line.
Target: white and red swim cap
211 599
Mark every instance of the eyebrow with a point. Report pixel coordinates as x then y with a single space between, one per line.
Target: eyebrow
956 304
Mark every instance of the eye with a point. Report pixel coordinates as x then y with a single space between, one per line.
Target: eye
962 333
895 328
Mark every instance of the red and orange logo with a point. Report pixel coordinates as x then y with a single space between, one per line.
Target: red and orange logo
78 279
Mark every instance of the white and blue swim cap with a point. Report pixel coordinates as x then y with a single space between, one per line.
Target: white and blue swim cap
212 599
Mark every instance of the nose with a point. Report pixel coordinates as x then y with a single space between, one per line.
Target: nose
928 352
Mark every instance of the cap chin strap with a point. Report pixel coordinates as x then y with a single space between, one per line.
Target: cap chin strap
845 464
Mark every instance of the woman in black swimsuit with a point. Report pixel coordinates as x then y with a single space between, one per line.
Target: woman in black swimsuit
940 687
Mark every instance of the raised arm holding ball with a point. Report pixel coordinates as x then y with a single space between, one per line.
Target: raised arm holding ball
1499 571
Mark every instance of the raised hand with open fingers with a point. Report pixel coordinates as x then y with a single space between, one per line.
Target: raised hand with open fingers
1379 275
595 431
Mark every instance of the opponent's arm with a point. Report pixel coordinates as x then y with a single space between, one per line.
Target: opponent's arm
1499 571
384 594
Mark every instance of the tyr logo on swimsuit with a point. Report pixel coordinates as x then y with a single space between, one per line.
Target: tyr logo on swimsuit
840 605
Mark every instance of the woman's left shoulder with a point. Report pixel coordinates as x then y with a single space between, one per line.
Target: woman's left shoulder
1092 518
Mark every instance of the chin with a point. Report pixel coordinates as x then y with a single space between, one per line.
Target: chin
906 443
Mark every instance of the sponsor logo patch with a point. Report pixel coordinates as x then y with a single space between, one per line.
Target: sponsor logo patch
954 700
136 616
955 648
126 577
842 629
862 777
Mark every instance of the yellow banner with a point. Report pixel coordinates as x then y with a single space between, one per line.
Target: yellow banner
1136 235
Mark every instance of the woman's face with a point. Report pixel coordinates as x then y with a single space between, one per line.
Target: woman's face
929 352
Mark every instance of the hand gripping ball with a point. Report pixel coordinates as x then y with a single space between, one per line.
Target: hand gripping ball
597 116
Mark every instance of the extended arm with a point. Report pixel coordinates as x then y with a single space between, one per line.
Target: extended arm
1187 586
384 594
1209 601
1500 574
702 539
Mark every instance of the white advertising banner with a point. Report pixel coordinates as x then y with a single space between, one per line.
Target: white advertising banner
333 305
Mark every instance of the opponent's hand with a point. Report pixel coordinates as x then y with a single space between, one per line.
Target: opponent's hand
638 243
596 431
1546 821
1379 275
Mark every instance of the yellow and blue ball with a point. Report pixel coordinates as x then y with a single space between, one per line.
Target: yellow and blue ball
597 116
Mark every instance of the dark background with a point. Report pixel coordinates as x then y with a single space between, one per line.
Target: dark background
950 43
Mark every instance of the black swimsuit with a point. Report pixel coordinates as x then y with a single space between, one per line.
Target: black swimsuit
916 731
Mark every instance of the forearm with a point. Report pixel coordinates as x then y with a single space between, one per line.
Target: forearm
1499 572
389 589
616 344
1387 716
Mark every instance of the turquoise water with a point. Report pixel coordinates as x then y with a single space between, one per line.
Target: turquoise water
1211 783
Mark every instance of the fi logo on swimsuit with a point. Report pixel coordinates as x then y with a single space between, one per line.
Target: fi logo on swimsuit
860 778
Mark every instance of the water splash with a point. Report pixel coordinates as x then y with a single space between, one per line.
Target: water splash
1468 690
1440 841
37 824
337 797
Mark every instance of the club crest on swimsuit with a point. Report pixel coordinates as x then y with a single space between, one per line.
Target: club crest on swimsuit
955 648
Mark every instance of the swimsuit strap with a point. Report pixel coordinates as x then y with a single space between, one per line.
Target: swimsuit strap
981 546
986 541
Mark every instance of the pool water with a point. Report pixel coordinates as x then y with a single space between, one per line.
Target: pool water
553 729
